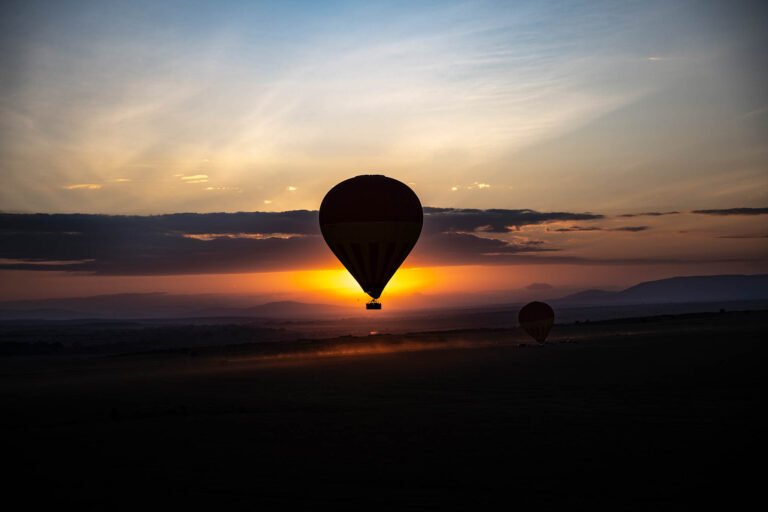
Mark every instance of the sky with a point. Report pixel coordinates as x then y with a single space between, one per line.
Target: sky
579 144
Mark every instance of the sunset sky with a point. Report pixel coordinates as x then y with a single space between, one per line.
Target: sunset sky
597 144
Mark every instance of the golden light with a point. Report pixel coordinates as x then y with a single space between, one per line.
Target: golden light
336 282
340 283
411 280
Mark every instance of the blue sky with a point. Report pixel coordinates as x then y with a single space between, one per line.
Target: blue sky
617 105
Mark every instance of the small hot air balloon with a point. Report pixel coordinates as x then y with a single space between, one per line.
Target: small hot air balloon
371 223
536 318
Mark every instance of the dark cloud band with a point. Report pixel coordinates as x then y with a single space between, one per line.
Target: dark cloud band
192 243
648 214
494 221
734 211
572 229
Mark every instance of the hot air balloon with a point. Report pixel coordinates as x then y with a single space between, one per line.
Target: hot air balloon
371 223
536 318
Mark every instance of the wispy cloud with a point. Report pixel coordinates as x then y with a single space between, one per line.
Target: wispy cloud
648 214
195 178
83 186
734 211
744 237
576 229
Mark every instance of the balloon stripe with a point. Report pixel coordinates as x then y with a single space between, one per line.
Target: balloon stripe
348 261
373 259
388 262
365 266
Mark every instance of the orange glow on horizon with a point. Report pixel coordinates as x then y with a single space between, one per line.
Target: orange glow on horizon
339 283
410 286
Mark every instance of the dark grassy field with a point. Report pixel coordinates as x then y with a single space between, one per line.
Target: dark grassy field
638 414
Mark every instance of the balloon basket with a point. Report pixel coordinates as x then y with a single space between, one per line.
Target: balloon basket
373 305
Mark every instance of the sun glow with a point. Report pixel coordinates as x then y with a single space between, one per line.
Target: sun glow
340 283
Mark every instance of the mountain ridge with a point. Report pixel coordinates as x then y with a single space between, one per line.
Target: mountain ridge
679 289
725 287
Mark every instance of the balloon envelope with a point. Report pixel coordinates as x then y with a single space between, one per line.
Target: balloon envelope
371 223
536 318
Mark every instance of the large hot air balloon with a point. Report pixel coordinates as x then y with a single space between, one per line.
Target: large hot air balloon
371 223
536 318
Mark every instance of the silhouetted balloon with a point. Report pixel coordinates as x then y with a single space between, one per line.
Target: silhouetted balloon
536 318
371 223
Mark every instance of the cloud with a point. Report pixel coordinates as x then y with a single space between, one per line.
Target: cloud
83 186
474 186
195 178
446 220
648 214
252 236
631 229
164 244
734 211
539 286
569 229
744 237
230 189
243 242
464 248
210 243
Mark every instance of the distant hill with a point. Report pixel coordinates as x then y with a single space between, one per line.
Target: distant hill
39 314
161 305
121 305
587 296
280 309
677 289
